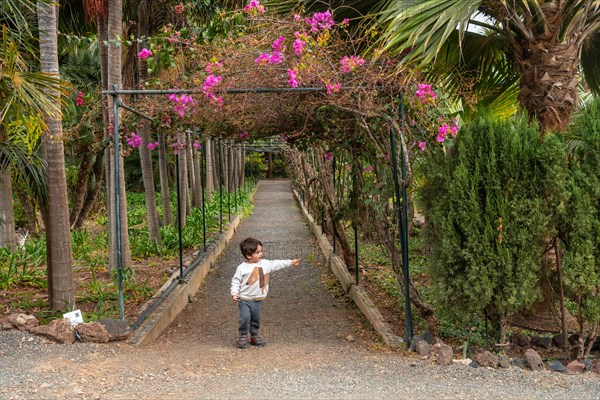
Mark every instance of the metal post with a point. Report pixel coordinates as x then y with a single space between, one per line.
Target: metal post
203 184
219 177
235 180
228 182
118 200
179 216
403 227
333 211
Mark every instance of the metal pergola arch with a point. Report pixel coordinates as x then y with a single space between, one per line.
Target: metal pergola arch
400 191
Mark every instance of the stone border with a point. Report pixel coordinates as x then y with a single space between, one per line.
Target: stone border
175 302
337 265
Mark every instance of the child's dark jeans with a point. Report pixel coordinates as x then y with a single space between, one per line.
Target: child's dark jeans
249 316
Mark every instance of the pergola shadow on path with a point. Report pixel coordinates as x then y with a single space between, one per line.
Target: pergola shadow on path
300 309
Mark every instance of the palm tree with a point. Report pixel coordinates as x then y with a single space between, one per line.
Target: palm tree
22 97
542 44
59 259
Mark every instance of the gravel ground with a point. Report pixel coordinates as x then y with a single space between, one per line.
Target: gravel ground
308 355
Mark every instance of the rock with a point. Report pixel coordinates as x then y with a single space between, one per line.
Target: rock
59 330
543 342
575 367
474 364
435 349
426 336
422 348
117 329
534 360
22 322
519 362
557 340
463 361
520 339
504 362
556 366
444 356
486 359
588 364
596 368
350 338
93 332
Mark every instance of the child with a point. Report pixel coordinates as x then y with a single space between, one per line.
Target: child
249 288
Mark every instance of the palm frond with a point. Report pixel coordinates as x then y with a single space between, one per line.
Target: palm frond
590 62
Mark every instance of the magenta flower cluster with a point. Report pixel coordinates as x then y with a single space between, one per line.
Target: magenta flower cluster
299 44
181 103
349 64
333 88
425 94
177 147
134 140
152 146
293 77
197 145
210 83
144 54
277 56
255 6
80 100
321 21
447 129
243 135
213 67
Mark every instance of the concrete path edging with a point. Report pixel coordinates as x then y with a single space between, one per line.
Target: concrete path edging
357 293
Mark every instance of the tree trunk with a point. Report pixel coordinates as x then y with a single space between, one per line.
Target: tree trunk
165 192
7 218
548 86
144 130
92 195
183 181
115 33
61 293
197 184
210 181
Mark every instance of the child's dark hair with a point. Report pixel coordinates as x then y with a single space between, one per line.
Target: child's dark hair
249 246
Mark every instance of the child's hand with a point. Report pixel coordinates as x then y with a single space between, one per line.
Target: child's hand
235 298
296 262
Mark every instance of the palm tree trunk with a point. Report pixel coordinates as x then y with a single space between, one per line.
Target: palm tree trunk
183 181
548 86
209 170
164 181
115 32
61 293
144 129
7 217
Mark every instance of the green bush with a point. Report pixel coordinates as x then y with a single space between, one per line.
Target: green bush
487 203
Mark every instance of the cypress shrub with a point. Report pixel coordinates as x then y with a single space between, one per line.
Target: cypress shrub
487 199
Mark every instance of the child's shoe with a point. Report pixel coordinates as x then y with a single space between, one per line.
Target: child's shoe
257 341
242 342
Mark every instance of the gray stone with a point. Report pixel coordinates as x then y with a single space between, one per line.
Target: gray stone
422 348
556 366
557 340
543 342
519 362
588 364
534 360
444 356
486 359
503 362
474 364
520 339
117 329
93 332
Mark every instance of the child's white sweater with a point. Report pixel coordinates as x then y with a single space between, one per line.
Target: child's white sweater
251 280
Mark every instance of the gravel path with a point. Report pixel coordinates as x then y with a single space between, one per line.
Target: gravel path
307 356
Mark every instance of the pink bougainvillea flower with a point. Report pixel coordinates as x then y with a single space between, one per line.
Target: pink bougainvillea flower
349 64
422 145
443 130
441 137
333 88
345 21
211 67
152 146
197 145
278 45
144 54
425 94
297 17
177 147
80 99
328 156
179 8
255 6
134 140
298 46
244 135
293 78
321 21
368 168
